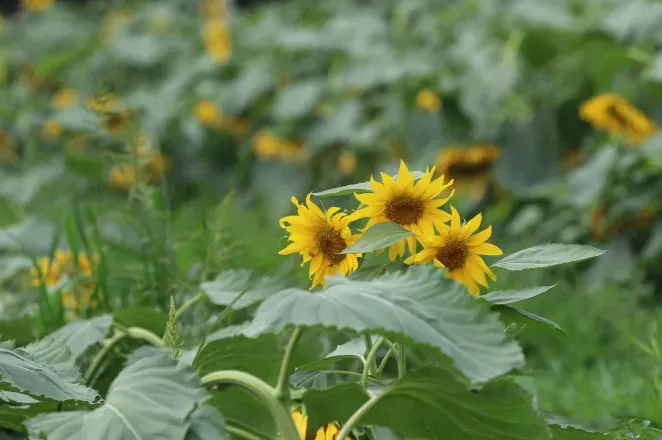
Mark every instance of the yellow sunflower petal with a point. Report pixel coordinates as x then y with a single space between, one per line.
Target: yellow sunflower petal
480 238
486 249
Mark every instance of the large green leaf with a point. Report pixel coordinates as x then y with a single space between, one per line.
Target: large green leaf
144 317
297 100
253 288
417 306
244 412
572 433
79 335
150 398
436 404
547 255
207 424
323 406
511 296
45 368
354 349
258 356
379 236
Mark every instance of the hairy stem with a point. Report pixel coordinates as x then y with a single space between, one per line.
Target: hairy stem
283 384
370 360
261 390
354 420
187 305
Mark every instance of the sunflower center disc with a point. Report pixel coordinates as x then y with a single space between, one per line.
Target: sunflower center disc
330 243
453 254
404 210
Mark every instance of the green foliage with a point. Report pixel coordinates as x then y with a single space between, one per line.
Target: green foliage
379 236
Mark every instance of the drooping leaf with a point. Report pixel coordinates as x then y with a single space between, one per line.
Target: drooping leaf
347 189
436 403
144 317
150 398
417 306
22 370
228 285
79 335
547 255
258 356
379 236
511 296
207 424
523 318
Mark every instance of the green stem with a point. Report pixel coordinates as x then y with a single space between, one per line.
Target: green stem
263 391
402 360
354 420
187 305
145 335
368 348
369 361
283 384
382 365
236 432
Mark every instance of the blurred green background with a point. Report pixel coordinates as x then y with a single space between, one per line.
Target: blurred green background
168 137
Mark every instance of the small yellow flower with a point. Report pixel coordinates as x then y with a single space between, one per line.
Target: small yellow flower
265 145
218 41
64 99
413 205
428 101
208 113
616 115
347 163
458 249
290 150
115 124
37 5
122 176
326 432
320 237
52 130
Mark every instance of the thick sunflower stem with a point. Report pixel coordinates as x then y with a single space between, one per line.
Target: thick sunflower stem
354 420
283 384
263 391
370 360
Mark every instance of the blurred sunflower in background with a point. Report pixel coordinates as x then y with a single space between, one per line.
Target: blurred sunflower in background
412 205
268 146
208 113
37 5
459 250
346 163
615 115
8 152
471 167
319 237
428 101
63 99
52 130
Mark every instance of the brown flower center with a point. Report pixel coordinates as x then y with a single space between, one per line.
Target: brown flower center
404 210
453 254
331 243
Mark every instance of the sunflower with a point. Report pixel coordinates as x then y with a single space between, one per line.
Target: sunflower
428 101
458 249
616 115
412 205
52 130
64 98
320 237
37 5
347 163
218 40
208 113
326 432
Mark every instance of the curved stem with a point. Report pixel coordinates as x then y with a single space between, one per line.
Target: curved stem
369 361
368 348
260 389
237 432
380 370
187 304
283 384
145 335
354 420
402 360
109 344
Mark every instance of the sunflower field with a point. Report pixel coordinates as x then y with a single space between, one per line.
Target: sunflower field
342 220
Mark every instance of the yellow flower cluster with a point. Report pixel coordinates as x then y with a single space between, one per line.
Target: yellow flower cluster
428 101
51 271
415 204
326 432
268 146
114 119
152 163
209 114
215 33
468 167
616 115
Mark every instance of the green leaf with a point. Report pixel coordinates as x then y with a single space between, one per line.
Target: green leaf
79 335
260 356
207 424
22 369
19 330
435 403
228 332
144 317
417 306
523 318
354 349
297 100
10 265
150 398
228 285
547 255
573 433
245 412
347 189
382 433
379 236
587 181
511 296
366 273
313 380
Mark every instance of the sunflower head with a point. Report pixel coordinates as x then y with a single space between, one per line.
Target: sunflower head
64 98
616 115
208 113
412 205
325 432
459 250
428 101
320 237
